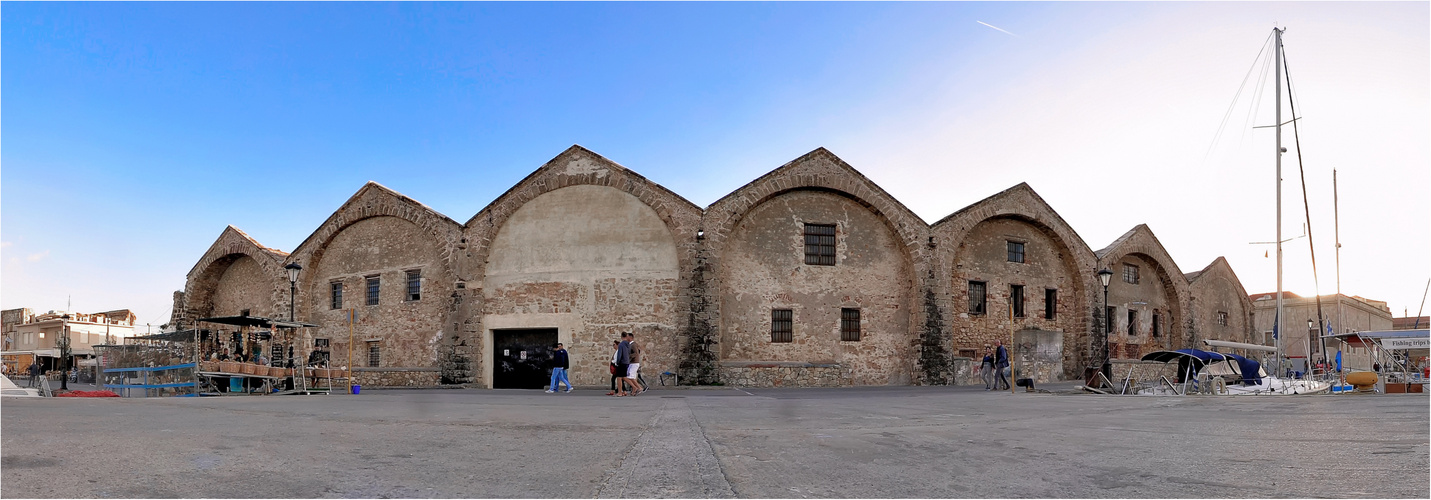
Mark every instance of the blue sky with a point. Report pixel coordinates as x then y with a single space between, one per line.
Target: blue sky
133 134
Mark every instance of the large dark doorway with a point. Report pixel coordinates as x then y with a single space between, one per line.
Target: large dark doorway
520 357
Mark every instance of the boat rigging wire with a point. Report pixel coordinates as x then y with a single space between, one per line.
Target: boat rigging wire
1306 205
1225 116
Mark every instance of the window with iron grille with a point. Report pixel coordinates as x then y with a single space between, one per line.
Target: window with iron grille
1016 297
820 244
1157 329
1050 303
373 282
336 294
1130 274
321 343
1132 322
374 354
1222 318
414 285
849 325
1016 251
782 325
977 302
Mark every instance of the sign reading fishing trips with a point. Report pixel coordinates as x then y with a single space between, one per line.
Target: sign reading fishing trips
1421 343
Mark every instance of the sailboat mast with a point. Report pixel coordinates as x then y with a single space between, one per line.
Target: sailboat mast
1277 64
1337 221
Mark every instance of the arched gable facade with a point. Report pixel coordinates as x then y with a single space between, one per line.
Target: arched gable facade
1220 308
1147 295
578 252
235 274
1013 247
383 260
778 318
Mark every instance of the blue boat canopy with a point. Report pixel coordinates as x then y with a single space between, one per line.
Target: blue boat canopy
1197 356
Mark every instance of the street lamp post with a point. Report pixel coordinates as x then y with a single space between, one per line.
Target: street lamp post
1104 276
64 342
293 269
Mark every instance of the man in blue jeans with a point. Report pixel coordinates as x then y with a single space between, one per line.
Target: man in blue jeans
560 363
1001 361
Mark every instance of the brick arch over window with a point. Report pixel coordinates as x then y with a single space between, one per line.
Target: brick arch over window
1140 242
1023 205
578 166
203 278
376 200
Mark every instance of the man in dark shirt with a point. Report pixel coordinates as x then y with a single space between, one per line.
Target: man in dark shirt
1001 361
560 362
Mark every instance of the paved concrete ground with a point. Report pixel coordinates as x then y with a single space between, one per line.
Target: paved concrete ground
727 442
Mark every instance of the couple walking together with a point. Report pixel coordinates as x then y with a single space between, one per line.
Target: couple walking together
995 361
625 367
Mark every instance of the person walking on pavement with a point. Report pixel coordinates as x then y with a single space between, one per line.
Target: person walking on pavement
34 372
623 366
986 368
615 348
1001 361
633 372
560 362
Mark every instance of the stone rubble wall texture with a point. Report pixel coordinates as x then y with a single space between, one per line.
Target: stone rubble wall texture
589 248
1217 290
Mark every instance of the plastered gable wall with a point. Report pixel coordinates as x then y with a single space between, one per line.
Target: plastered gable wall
242 286
408 332
591 261
983 257
764 268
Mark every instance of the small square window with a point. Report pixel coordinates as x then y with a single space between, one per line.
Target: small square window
1016 251
373 282
1130 274
335 291
1222 318
849 325
820 244
782 325
977 301
414 285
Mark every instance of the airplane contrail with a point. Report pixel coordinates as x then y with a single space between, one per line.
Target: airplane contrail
995 27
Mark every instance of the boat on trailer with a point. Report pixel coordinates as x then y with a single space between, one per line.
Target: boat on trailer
1224 374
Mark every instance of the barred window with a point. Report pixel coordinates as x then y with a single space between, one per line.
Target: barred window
1050 303
1016 298
977 302
414 285
782 325
849 325
373 283
321 343
1130 274
1016 251
374 354
1222 318
336 294
820 244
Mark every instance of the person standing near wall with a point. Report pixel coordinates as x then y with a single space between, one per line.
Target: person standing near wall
1001 361
623 365
34 373
560 363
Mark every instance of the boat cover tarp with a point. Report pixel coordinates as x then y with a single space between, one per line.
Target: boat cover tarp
1251 370
1190 361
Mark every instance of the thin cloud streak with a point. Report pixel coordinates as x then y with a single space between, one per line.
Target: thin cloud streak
995 27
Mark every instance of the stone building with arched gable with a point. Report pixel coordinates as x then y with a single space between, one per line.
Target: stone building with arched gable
811 275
